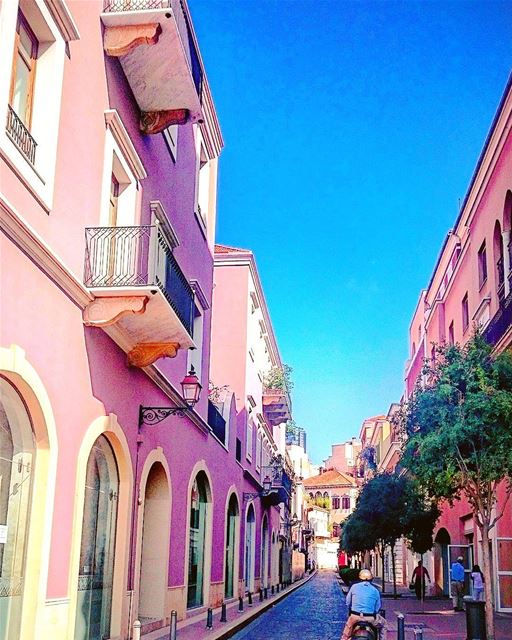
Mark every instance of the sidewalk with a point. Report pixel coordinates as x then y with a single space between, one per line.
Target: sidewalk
194 628
435 616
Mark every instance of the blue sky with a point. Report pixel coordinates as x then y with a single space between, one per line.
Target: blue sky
352 130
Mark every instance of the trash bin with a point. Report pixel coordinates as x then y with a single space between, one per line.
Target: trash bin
475 619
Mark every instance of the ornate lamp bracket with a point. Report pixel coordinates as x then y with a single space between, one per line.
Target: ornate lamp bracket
154 415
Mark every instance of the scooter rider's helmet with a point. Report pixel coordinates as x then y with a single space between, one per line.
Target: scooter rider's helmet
365 574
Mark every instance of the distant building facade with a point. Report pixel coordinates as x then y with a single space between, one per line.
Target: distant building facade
344 456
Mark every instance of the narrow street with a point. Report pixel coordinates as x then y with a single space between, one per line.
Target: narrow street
315 611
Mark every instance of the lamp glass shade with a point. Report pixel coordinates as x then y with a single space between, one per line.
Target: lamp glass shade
191 388
267 483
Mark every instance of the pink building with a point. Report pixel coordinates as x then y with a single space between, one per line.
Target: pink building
471 284
117 500
344 456
244 351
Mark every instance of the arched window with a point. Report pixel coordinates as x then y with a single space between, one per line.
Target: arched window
250 544
199 500
326 495
155 545
232 526
17 458
264 552
345 502
96 570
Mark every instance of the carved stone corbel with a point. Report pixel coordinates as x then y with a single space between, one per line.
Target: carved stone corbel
144 354
120 40
156 121
102 312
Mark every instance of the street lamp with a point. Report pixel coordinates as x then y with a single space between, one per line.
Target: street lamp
267 488
190 390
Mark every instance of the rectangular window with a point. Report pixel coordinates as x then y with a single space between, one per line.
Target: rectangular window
171 138
482 265
238 450
114 196
465 312
23 71
258 451
451 334
335 503
248 442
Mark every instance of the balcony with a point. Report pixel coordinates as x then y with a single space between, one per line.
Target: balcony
277 406
500 323
139 287
281 478
154 42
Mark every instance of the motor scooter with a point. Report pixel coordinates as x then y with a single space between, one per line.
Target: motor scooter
363 630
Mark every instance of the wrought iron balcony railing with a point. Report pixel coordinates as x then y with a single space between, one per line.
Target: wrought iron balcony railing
20 135
138 256
500 323
182 22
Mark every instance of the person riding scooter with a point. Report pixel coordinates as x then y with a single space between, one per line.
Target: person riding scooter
363 602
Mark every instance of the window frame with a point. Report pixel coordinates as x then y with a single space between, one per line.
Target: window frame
465 312
482 265
31 63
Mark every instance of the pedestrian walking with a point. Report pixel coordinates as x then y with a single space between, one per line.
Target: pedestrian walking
418 577
363 602
478 582
457 576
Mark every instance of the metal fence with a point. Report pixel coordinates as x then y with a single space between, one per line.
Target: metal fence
134 5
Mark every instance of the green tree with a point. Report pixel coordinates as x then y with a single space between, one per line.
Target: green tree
459 439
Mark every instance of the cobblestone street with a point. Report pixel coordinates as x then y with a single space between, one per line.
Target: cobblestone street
314 611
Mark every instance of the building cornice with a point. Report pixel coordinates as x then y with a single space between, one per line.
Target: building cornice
29 241
63 19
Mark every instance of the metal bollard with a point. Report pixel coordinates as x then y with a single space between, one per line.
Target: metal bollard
400 630
261 595
265 593
174 620
272 590
136 630
223 613
249 598
418 633
209 619
277 587
240 604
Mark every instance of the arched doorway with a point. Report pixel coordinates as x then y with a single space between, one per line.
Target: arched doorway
442 562
200 497
17 460
264 552
97 547
155 546
232 537
250 527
